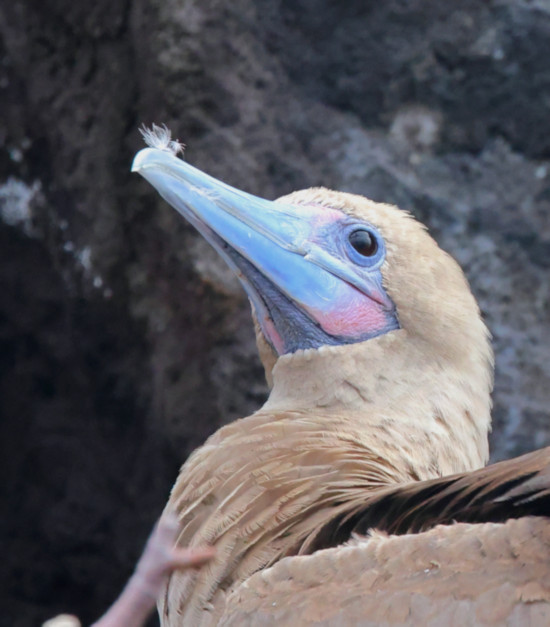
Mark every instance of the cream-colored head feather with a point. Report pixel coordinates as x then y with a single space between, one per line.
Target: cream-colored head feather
433 299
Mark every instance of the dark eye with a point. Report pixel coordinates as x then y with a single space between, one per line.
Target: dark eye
364 242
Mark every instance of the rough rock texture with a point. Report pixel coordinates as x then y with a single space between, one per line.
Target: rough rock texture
123 340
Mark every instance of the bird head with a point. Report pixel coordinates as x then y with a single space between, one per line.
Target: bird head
312 272
324 268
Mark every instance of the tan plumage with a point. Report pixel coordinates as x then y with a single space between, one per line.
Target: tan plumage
341 423
459 576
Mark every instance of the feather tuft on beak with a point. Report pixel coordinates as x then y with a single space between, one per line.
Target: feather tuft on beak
160 137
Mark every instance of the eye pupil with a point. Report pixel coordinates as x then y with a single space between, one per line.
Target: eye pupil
363 242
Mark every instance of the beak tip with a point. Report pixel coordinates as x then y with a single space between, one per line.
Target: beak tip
141 158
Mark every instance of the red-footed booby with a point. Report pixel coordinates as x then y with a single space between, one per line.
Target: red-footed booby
380 370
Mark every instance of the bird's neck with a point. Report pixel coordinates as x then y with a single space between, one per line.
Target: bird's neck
435 415
337 424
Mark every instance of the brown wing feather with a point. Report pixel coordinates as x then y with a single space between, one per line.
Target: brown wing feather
509 489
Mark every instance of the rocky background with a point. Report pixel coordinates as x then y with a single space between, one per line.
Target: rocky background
123 340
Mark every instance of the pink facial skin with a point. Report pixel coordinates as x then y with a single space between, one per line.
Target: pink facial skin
352 315
339 291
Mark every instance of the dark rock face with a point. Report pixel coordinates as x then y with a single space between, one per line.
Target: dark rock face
124 342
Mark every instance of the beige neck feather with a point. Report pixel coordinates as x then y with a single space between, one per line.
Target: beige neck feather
339 421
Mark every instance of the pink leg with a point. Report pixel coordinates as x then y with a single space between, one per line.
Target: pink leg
158 560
